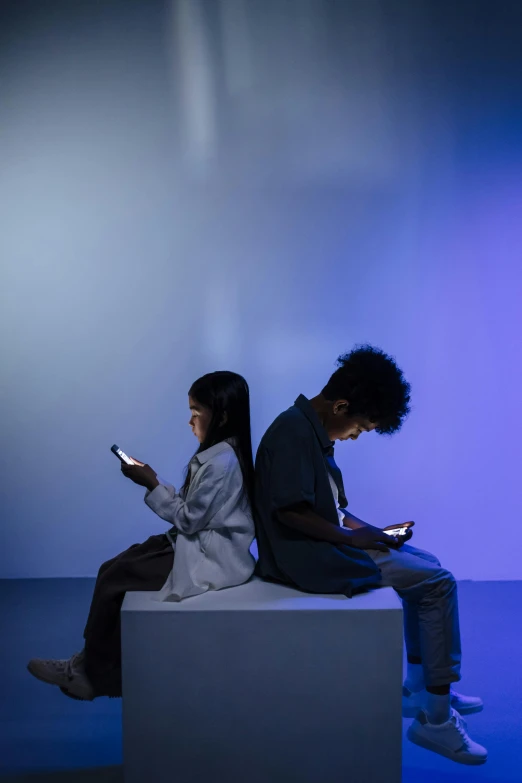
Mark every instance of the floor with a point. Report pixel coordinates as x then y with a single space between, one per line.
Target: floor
46 737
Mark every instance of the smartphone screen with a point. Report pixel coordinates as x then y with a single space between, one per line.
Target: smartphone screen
397 531
121 455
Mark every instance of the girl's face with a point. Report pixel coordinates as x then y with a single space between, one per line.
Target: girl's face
200 417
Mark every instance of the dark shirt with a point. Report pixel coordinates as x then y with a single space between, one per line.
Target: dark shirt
292 465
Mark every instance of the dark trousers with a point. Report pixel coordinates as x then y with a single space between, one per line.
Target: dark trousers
141 567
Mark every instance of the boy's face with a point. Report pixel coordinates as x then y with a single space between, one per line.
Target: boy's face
340 425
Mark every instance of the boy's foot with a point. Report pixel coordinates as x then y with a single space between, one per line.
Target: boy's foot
412 702
449 739
68 674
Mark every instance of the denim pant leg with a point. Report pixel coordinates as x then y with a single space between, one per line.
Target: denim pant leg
409 609
431 618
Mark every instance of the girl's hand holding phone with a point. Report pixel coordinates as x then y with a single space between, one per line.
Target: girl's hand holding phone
141 474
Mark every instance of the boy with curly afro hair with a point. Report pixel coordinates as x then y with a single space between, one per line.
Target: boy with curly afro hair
307 539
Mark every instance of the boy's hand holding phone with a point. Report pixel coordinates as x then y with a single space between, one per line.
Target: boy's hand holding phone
402 532
370 537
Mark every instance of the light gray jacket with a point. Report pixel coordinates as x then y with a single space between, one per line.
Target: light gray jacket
214 525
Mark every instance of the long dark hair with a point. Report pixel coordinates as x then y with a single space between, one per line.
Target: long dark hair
227 393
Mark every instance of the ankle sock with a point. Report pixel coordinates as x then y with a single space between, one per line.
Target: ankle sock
437 707
414 681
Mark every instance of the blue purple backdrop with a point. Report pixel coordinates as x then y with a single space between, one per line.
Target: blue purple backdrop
257 186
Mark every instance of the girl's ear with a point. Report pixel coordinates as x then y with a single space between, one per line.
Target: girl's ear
224 419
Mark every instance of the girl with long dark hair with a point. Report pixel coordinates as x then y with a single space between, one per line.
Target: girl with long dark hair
206 548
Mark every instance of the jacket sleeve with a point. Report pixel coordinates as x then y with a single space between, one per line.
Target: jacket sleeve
203 502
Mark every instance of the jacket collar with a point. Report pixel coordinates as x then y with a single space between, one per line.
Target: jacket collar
304 405
204 456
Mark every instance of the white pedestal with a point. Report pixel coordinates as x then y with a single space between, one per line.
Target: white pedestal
262 684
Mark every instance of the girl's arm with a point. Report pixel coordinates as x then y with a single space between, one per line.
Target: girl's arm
210 492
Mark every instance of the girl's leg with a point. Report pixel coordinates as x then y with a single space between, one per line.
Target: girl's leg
102 570
96 670
142 567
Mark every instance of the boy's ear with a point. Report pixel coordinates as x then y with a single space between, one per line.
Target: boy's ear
341 406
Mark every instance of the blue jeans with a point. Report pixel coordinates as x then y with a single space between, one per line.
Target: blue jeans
431 613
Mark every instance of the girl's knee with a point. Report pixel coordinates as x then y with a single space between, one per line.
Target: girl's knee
447 579
105 567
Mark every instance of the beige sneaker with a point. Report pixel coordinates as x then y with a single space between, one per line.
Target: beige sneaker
68 674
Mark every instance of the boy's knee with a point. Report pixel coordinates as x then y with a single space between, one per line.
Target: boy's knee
424 555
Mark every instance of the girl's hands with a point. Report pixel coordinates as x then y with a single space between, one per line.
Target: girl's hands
141 474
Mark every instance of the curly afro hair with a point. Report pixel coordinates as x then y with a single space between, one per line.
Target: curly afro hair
373 385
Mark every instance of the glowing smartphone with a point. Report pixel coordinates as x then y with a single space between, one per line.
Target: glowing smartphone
121 455
397 531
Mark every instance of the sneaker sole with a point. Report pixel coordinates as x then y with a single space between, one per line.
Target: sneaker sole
463 758
73 695
411 712
80 698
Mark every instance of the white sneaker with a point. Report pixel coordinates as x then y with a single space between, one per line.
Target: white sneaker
466 705
449 739
68 674
413 701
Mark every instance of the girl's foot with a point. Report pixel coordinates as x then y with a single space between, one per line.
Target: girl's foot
69 675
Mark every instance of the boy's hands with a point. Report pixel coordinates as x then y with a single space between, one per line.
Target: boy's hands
369 537
141 474
406 537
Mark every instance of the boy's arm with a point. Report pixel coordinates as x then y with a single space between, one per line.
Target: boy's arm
354 523
302 517
351 521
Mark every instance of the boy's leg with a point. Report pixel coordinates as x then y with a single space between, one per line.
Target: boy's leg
415 676
432 620
415 683
431 592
